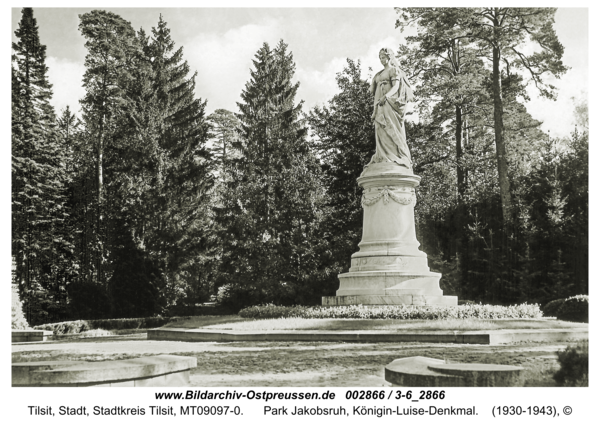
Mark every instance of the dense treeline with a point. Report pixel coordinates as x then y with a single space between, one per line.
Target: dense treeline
140 204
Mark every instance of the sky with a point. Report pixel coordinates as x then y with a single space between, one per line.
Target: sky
220 43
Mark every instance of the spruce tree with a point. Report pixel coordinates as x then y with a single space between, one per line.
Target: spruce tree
41 243
67 125
272 201
167 194
189 181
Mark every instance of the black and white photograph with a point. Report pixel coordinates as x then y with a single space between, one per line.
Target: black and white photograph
258 213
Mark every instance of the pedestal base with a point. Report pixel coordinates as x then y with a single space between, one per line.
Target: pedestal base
389 268
409 299
389 288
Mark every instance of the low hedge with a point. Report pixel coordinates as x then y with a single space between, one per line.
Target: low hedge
574 308
550 309
574 365
74 327
393 311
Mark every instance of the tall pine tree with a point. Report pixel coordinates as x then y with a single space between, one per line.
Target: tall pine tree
112 46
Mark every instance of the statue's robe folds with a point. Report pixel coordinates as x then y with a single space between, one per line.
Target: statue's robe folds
390 135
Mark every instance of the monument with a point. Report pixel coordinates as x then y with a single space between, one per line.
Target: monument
389 268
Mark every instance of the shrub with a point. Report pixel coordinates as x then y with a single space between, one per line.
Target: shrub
393 311
80 326
18 321
574 308
573 365
137 284
466 302
235 298
88 300
550 309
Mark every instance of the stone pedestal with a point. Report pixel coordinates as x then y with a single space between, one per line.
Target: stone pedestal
389 269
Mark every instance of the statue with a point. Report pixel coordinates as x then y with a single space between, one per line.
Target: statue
389 268
392 92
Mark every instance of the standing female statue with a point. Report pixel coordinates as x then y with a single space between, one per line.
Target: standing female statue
392 92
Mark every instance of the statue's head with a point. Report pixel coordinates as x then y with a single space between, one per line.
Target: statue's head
388 54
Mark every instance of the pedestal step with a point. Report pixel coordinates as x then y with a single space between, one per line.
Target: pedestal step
372 299
389 283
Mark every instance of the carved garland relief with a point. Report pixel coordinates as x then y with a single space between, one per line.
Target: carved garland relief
386 193
393 261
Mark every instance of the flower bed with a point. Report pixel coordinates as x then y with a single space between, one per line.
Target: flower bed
393 311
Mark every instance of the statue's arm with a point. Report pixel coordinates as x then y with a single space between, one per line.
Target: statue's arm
373 86
394 89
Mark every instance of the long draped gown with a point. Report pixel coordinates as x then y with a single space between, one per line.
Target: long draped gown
390 136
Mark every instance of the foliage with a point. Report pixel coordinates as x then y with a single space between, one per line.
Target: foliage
237 297
136 286
574 308
393 311
344 137
574 365
224 132
544 257
504 35
171 218
271 197
551 308
17 319
80 326
111 50
145 131
41 239
141 205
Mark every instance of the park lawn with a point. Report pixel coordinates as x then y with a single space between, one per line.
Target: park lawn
234 322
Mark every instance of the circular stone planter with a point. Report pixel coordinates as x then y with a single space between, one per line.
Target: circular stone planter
430 372
162 370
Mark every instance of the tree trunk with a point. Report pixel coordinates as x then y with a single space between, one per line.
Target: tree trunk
99 206
505 195
459 217
460 171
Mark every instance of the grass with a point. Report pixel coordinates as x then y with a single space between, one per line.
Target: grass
234 322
